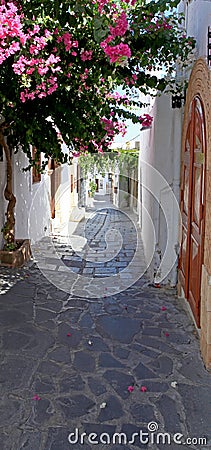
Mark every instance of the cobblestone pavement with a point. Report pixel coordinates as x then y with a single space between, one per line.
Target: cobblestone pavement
67 362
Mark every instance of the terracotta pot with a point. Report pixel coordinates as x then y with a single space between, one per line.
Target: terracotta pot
18 257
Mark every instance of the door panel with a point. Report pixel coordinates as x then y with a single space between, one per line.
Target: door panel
192 208
186 186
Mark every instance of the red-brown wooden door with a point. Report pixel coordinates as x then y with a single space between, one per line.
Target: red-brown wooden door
192 207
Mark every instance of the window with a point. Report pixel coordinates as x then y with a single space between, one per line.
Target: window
36 175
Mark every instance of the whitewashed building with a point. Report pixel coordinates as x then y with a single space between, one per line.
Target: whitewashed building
44 202
178 148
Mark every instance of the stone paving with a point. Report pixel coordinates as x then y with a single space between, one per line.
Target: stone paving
73 366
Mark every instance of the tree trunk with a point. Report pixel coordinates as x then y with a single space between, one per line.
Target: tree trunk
9 227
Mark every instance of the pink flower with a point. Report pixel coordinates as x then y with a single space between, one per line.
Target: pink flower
22 97
68 334
86 55
163 308
36 397
120 27
143 389
166 334
146 120
116 53
130 388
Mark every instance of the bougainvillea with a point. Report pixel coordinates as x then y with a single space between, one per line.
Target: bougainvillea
66 61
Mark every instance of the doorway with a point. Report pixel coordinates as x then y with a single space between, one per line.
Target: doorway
193 206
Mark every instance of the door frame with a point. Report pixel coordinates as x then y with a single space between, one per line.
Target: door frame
197 89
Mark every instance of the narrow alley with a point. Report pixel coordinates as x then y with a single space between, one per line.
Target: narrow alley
119 370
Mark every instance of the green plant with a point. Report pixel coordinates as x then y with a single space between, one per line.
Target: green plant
92 188
5 231
10 247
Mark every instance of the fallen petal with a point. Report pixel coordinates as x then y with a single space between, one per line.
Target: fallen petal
174 384
68 334
36 397
143 389
166 334
163 308
130 388
90 342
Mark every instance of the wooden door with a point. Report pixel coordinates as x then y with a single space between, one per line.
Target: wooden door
192 207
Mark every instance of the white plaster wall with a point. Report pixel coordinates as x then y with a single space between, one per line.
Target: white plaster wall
160 147
32 211
66 201
197 19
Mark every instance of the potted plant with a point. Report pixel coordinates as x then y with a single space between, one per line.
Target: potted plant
15 252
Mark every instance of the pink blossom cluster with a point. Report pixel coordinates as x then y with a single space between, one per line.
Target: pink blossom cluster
122 129
12 38
131 2
75 155
10 27
69 43
146 120
116 53
12 35
98 146
81 146
109 126
118 97
102 3
121 51
159 25
28 66
121 26
10 21
42 90
84 75
112 127
131 81
39 43
86 55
